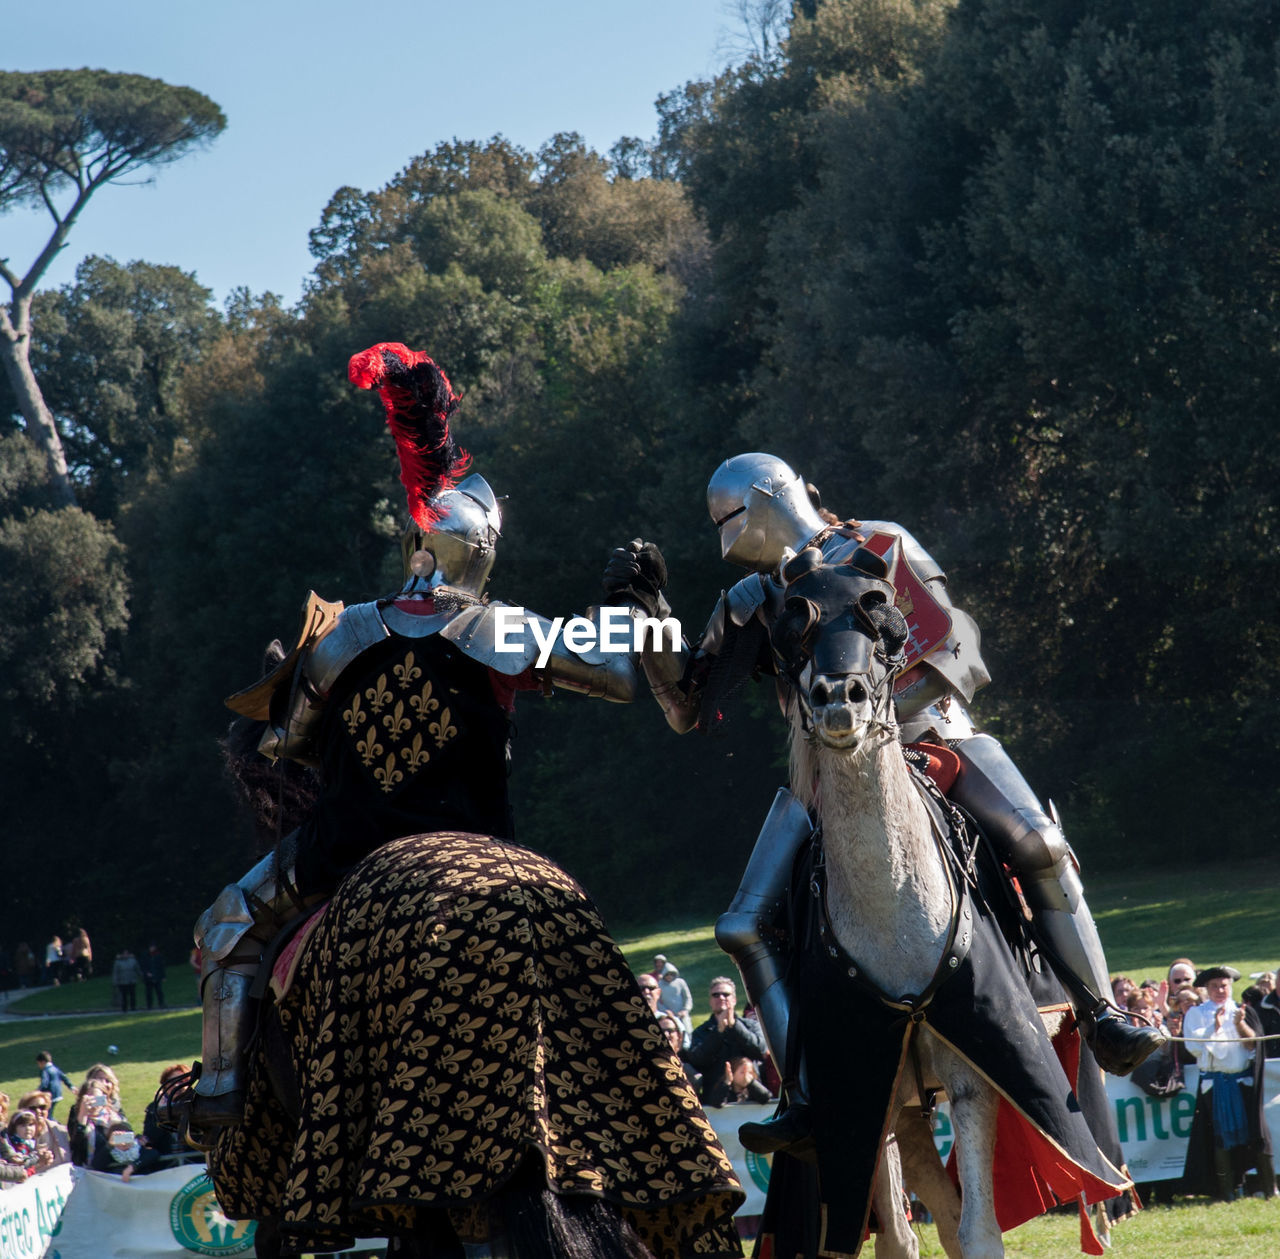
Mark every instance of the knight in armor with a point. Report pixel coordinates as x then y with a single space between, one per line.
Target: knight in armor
403 706
765 513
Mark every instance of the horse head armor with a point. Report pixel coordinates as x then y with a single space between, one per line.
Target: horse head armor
840 640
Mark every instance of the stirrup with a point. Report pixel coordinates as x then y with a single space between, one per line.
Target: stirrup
193 1116
789 1131
1118 1045
173 1099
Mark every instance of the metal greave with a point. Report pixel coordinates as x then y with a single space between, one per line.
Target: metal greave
1030 841
748 929
233 934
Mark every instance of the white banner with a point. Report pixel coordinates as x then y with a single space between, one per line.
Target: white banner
751 1169
170 1214
29 1213
1154 1130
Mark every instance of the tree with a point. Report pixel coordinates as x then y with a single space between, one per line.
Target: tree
110 351
70 132
62 593
1011 269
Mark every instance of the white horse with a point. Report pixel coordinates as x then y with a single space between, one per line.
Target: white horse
891 903
891 895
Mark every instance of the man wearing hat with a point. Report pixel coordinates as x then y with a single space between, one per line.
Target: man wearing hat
1229 1133
674 998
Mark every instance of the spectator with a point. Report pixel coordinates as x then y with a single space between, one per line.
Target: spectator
18 1146
125 974
52 1078
675 998
109 1081
1228 1131
1182 975
163 1140
50 1135
25 965
153 975
673 1033
1186 998
91 1116
1122 988
79 954
4 1109
53 961
649 990
659 964
1269 1013
121 1153
1145 1006
724 1036
738 1084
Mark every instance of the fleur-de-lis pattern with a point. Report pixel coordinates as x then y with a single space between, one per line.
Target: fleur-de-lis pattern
406 672
391 724
459 1004
354 715
443 730
424 702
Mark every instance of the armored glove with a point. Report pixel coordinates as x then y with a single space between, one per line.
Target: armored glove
637 573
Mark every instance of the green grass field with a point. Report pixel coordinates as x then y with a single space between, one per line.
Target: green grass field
1227 913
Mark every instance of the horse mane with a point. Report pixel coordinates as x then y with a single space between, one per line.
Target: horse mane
803 761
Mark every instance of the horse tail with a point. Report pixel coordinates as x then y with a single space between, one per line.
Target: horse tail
535 1223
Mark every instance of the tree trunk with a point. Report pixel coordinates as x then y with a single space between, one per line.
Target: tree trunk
14 348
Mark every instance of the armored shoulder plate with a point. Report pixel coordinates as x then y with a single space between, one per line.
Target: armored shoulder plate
951 653
357 629
318 616
743 599
923 564
498 635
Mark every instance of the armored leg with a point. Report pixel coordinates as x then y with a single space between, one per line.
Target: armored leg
1031 843
747 931
232 935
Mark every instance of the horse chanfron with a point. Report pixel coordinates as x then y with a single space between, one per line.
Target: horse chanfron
839 640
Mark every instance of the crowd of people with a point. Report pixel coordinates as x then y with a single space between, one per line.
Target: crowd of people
97 1133
62 961
72 961
1165 1002
725 1058
1229 1152
728 1062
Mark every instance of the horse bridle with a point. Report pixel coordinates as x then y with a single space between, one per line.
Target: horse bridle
792 664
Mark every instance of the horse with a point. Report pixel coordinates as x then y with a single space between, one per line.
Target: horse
896 925
453 1051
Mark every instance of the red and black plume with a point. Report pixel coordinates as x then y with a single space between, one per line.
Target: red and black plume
419 400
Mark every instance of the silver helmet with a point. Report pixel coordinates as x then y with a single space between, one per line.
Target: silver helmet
761 507
460 550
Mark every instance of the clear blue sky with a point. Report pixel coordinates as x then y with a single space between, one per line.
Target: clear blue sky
319 94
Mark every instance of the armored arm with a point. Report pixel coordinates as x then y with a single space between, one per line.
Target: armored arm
589 654
665 670
602 666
